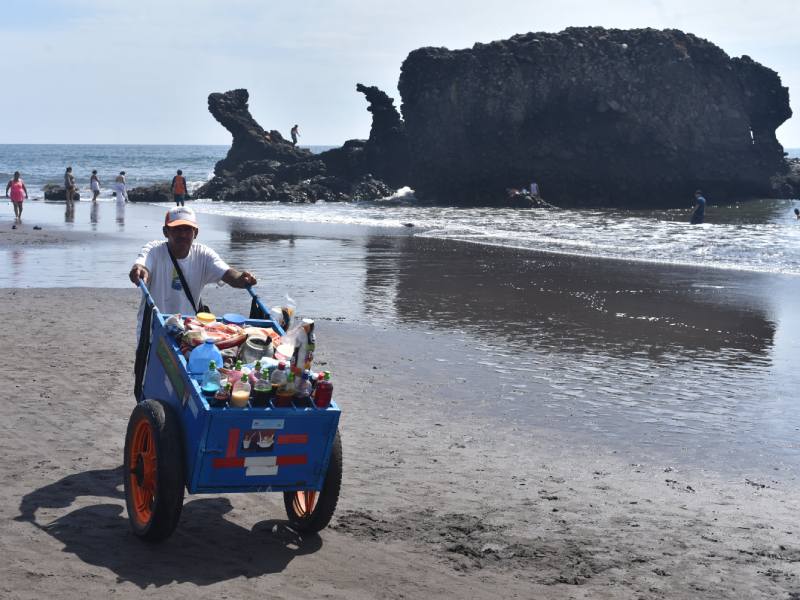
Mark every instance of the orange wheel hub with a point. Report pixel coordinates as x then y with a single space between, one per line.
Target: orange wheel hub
143 471
304 503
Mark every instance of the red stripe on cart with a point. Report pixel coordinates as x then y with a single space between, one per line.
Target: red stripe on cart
297 459
233 441
231 461
293 438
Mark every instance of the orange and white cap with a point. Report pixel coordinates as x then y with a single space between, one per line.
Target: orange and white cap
180 215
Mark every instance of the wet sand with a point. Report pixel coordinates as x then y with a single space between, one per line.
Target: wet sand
456 483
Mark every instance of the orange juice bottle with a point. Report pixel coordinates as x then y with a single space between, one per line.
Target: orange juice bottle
241 392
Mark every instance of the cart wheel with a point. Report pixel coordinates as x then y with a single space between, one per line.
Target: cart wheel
153 471
309 510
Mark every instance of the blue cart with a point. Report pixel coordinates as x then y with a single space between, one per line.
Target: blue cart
176 440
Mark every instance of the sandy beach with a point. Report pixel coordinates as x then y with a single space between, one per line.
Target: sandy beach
451 487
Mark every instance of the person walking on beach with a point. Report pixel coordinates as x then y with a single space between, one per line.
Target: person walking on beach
295 134
94 183
158 262
121 187
699 208
18 193
179 188
69 185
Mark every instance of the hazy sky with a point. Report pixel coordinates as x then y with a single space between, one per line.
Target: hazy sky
139 71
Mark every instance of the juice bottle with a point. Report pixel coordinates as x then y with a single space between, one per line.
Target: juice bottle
223 395
241 392
211 380
262 390
255 374
278 377
303 393
303 385
285 393
324 391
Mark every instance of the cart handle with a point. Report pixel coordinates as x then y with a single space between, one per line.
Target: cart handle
146 293
264 310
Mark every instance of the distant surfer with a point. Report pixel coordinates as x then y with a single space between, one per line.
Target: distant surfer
699 208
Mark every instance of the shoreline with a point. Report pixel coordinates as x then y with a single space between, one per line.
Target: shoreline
468 504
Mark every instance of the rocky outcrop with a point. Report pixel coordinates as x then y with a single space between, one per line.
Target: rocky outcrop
786 184
386 150
159 192
595 116
263 166
53 191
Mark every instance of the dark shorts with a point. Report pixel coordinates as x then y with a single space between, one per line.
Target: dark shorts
180 198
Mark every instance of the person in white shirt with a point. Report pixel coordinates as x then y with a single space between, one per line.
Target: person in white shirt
200 266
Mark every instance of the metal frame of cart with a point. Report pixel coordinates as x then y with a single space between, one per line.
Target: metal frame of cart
176 440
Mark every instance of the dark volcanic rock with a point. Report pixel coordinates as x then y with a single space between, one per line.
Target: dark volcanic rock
386 150
159 192
53 191
250 141
787 183
595 116
262 166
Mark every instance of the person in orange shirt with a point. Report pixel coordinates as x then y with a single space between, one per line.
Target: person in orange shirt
179 188
18 193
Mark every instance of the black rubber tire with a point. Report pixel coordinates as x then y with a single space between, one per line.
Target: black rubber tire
168 496
326 500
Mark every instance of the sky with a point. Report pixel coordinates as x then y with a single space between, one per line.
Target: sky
140 71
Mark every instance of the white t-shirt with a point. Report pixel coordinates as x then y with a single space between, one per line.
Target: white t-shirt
201 267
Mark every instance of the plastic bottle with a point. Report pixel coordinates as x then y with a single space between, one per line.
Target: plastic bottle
278 377
262 390
211 380
291 383
235 374
255 374
223 395
324 391
241 392
305 344
201 357
303 393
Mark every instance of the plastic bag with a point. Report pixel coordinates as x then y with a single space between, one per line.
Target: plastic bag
283 314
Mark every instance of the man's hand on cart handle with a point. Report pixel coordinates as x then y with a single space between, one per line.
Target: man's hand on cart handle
139 272
239 279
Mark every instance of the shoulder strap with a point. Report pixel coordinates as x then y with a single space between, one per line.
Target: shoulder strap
183 279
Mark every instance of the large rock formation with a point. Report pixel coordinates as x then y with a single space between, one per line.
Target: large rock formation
595 116
263 166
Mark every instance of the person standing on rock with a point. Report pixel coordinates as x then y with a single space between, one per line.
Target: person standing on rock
69 185
179 188
699 208
94 183
295 134
18 193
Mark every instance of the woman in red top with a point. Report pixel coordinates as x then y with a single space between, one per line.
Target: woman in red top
18 193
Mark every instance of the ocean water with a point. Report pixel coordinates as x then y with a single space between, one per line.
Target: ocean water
758 236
